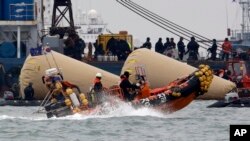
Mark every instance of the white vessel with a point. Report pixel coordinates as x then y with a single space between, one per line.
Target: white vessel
89 24
241 37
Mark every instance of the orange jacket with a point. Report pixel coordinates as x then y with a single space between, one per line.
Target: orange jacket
145 92
246 81
221 73
227 47
97 80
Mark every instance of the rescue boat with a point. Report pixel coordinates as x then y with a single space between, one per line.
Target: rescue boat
232 99
170 98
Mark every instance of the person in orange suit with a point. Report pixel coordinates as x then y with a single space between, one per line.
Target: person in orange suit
144 89
226 49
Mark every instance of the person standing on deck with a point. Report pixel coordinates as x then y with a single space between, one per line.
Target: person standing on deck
213 50
29 92
159 46
112 46
147 44
90 51
226 49
171 48
193 49
166 46
181 48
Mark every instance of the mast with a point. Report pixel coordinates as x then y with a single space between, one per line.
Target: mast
245 5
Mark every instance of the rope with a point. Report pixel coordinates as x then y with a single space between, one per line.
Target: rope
47 59
168 22
177 26
160 20
55 61
149 19
44 102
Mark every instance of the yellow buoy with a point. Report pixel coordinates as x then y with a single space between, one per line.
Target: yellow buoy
82 96
202 84
201 66
68 102
207 73
178 94
58 85
69 91
201 79
85 102
197 74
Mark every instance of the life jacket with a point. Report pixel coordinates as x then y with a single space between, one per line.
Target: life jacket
221 73
246 81
227 47
97 80
144 93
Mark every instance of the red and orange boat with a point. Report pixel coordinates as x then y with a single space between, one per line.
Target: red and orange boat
170 98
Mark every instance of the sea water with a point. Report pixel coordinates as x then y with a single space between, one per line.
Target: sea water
196 122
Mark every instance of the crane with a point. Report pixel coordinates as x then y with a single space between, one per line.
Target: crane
56 19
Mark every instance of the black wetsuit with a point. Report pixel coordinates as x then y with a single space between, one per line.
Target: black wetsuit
125 86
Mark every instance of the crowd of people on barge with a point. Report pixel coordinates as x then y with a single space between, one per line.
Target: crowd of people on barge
192 48
170 47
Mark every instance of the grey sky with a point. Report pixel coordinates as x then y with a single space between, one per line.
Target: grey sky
206 17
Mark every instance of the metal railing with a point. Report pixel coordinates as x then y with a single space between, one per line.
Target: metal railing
238 35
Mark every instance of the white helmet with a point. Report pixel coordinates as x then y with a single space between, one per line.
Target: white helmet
98 74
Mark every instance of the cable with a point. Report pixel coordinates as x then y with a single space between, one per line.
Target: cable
173 32
170 23
160 20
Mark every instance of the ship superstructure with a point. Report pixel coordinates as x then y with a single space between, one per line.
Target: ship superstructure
20 22
241 37
88 23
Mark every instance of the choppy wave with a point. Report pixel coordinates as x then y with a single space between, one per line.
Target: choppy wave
123 122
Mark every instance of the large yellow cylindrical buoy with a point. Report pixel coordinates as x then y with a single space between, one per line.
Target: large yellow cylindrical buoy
160 70
74 71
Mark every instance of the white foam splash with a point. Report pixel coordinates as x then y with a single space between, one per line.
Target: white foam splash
107 110
43 117
2 117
